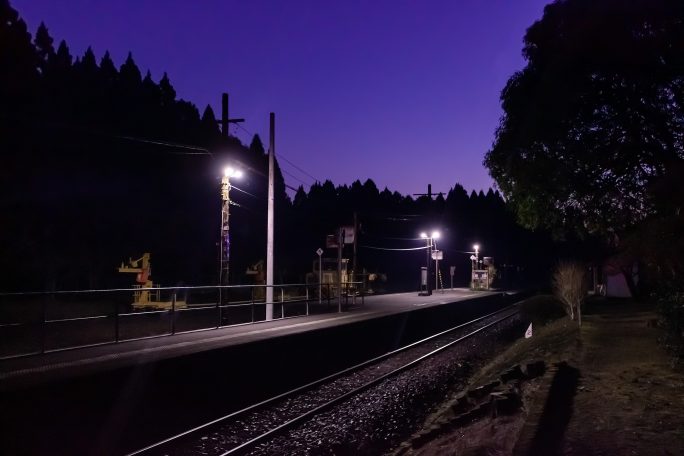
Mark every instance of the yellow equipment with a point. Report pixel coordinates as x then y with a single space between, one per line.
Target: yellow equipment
144 298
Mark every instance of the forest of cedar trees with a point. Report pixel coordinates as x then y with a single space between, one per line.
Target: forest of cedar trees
101 162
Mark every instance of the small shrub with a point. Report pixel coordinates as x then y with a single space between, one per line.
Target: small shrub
570 286
671 310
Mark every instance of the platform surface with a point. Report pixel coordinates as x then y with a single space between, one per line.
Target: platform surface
53 366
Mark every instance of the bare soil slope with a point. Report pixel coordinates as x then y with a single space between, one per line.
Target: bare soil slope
616 393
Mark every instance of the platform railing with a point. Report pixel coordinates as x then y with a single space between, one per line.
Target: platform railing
41 322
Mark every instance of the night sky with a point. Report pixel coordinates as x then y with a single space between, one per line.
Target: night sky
403 92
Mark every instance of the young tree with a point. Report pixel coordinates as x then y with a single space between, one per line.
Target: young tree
570 287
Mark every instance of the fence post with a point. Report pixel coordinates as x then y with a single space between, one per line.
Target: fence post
282 303
253 304
116 320
43 329
173 313
328 284
218 308
307 299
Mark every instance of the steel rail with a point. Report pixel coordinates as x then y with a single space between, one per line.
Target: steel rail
254 441
306 415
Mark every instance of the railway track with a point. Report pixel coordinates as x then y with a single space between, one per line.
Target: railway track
242 431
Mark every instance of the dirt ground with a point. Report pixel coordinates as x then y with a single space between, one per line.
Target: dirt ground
617 392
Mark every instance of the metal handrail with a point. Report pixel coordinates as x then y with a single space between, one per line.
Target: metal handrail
222 310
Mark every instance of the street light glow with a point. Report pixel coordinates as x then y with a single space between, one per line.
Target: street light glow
435 235
423 235
232 172
476 246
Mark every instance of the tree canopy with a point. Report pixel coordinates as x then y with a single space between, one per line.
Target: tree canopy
596 117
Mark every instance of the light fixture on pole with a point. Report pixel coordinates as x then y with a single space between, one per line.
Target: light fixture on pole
428 254
475 266
228 173
436 256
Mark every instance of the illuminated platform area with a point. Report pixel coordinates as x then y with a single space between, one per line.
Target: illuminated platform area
55 366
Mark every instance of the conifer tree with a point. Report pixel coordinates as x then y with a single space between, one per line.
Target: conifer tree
44 47
130 73
18 61
108 71
209 125
63 58
168 93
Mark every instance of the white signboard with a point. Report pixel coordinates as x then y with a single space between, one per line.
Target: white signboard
437 255
348 234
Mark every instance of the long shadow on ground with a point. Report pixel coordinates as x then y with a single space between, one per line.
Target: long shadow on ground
557 412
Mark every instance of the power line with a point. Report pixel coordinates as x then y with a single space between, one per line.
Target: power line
395 250
295 177
246 131
395 238
298 168
243 191
201 150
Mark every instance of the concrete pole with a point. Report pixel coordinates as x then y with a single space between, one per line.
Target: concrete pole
428 249
340 245
269 240
225 231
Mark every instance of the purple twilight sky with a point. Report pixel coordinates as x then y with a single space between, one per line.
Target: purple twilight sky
403 92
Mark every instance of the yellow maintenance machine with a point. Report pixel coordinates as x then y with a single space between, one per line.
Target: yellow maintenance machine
144 297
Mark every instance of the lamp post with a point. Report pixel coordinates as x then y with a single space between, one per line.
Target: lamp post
225 227
428 252
474 265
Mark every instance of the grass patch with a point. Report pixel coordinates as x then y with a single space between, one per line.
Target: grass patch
541 310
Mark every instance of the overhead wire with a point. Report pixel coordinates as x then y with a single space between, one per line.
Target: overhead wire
298 168
391 249
286 160
295 177
394 238
243 191
200 150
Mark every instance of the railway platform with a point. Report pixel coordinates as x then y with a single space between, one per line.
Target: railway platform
21 372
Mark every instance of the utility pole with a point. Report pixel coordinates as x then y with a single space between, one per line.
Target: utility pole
428 251
356 235
269 237
436 269
429 193
429 245
225 231
340 245
225 119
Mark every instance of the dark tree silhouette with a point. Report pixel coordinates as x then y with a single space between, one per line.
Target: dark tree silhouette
18 62
595 117
44 46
